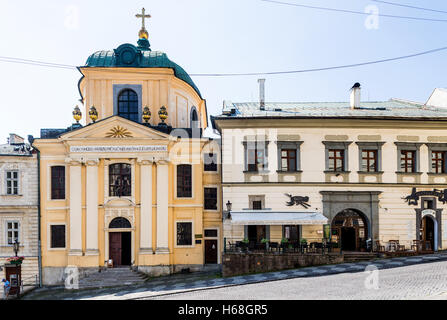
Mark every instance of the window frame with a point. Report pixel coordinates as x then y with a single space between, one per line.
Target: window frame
289 145
213 163
204 198
407 159
337 145
7 230
64 182
370 146
191 222
50 233
408 146
110 174
12 180
177 186
253 198
438 148
435 161
369 159
255 146
137 88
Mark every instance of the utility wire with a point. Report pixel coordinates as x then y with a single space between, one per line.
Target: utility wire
408 6
66 66
353 11
319 69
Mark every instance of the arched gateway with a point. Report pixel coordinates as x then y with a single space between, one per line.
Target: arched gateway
120 245
350 228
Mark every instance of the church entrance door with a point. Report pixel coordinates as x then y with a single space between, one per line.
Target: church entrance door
120 248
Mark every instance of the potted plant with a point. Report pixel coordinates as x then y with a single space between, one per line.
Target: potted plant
284 243
245 243
15 260
265 242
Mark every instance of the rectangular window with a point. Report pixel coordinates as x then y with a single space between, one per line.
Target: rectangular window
12 182
369 160
288 159
120 177
210 162
184 181
255 159
57 236
408 161
257 205
210 233
336 160
438 161
12 231
211 198
184 233
57 182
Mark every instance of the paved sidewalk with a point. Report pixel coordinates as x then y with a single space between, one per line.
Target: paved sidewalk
162 287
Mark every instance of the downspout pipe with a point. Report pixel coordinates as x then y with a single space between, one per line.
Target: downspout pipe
39 219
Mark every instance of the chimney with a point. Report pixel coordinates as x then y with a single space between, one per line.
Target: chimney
15 139
355 96
261 94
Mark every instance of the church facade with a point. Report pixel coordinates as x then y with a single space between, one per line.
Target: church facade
137 185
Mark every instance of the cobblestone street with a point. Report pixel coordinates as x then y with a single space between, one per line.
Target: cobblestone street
418 277
423 281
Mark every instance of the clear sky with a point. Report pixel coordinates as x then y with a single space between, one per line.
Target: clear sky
217 36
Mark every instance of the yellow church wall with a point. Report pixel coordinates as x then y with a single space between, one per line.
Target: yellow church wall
159 87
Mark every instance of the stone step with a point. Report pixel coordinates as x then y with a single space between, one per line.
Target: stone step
111 277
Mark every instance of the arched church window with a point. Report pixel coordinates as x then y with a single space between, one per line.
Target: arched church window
128 105
120 180
119 223
194 118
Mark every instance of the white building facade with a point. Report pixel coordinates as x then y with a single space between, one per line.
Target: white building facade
19 205
375 170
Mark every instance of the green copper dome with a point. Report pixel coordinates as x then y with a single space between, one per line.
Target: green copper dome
128 55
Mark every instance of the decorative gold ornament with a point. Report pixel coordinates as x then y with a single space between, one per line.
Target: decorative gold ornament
119 132
143 32
77 114
163 114
93 114
146 114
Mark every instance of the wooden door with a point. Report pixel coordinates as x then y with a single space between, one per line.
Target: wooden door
115 247
211 251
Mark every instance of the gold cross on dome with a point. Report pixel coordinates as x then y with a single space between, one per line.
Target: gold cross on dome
142 16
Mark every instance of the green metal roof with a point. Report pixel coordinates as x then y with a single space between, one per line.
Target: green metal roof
128 55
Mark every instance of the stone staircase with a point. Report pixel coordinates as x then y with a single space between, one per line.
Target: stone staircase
359 256
112 277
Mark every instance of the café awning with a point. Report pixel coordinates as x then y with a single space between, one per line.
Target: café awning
261 217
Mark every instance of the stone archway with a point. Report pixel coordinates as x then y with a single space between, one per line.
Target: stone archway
350 229
366 202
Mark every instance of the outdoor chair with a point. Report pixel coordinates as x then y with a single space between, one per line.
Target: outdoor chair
379 246
273 245
416 246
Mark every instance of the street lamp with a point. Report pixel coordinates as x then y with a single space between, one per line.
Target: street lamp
16 247
229 204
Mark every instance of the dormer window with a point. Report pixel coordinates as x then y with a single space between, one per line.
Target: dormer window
128 104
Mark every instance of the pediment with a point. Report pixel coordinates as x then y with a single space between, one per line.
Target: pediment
115 128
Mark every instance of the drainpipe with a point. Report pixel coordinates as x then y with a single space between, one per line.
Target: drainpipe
39 245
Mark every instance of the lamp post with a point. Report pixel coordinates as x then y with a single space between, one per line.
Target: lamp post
16 248
228 216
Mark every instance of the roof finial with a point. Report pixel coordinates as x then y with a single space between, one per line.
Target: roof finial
143 32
